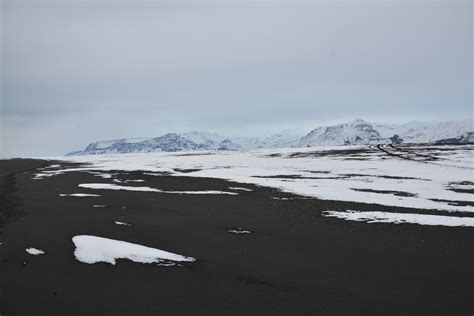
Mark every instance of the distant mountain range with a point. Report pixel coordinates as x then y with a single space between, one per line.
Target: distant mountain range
356 132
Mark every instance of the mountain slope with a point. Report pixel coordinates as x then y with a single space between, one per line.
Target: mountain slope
169 143
357 132
282 139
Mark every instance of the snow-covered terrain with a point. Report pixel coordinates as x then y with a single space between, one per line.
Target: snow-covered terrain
435 178
356 132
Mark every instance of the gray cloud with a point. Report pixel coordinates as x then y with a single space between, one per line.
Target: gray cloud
78 71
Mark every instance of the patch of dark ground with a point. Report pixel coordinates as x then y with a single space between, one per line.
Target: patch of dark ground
10 204
404 154
337 176
318 171
294 262
461 183
430 147
352 175
413 152
185 170
396 193
460 190
295 176
196 154
343 153
455 203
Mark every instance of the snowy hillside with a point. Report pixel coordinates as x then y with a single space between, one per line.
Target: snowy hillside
433 132
169 143
360 132
211 140
356 132
283 139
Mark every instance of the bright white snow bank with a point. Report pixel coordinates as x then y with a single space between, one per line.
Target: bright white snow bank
78 194
109 186
122 223
240 189
34 251
93 249
402 218
239 231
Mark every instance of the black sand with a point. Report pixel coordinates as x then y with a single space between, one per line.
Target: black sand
294 262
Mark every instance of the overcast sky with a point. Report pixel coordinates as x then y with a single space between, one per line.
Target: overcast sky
73 72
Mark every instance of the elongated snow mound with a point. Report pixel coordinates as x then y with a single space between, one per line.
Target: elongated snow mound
110 186
402 218
79 194
93 249
34 251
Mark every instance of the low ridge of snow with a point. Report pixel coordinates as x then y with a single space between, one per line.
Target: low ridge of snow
79 194
240 189
110 186
34 251
238 231
93 249
122 223
401 218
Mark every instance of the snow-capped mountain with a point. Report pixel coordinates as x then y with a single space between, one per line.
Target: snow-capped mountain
285 138
356 132
466 138
387 130
360 132
211 141
169 142
436 131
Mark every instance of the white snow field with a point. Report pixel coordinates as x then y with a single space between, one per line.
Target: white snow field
34 251
93 249
343 173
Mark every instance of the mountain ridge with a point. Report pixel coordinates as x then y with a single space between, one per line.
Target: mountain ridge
355 132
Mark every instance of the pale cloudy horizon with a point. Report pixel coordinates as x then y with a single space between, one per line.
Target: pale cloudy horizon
75 72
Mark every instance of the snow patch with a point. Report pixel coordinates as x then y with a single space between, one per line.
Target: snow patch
122 223
401 218
108 186
93 249
78 194
240 189
34 251
238 231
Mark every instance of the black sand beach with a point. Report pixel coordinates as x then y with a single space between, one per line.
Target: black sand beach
294 261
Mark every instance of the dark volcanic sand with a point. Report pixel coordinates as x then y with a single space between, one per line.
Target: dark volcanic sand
294 262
